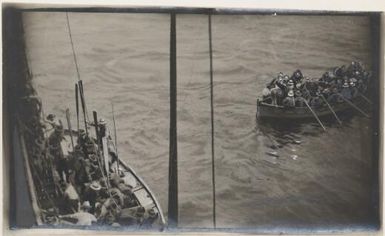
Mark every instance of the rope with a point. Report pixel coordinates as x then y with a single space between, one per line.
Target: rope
212 122
72 45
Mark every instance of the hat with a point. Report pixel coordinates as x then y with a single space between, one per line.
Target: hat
290 93
86 205
50 117
152 212
95 186
102 122
93 157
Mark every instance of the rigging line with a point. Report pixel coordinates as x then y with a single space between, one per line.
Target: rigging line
212 122
72 46
116 138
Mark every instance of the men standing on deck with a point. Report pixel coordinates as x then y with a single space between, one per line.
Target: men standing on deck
56 152
105 135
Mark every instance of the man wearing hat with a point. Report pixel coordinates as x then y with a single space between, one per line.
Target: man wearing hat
51 119
105 133
92 194
56 152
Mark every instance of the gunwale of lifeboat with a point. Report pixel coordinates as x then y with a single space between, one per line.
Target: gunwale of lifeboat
267 110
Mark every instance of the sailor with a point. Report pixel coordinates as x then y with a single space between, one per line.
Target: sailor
82 173
81 137
109 208
53 121
340 72
90 146
92 193
119 195
133 215
297 77
277 95
266 92
56 152
122 182
289 101
289 87
355 68
149 218
361 85
50 216
346 91
91 168
286 79
71 197
83 217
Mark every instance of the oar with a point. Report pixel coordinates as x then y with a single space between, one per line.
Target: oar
70 128
83 106
365 98
315 115
331 109
354 106
77 105
116 139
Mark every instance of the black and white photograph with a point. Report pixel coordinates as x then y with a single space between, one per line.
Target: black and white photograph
147 119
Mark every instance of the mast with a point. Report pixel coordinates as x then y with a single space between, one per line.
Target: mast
173 161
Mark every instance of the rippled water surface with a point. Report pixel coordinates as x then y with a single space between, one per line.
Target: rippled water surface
315 179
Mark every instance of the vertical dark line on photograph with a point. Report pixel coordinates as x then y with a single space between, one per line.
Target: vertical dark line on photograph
375 22
212 121
173 159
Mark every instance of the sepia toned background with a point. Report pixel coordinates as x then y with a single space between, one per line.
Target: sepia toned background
124 59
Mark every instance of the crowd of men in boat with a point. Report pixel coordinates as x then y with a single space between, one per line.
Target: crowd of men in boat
335 86
92 194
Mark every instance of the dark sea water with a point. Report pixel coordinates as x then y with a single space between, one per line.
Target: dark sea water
324 180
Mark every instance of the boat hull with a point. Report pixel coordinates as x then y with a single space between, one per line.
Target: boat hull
269 111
